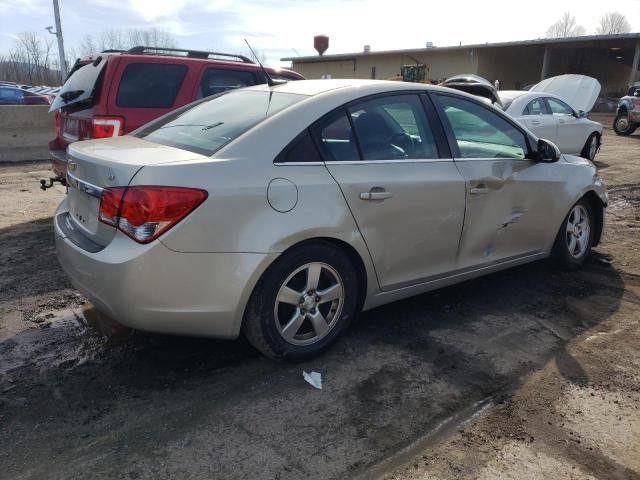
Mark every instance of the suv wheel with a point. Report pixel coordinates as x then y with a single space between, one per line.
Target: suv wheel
622 125
302 303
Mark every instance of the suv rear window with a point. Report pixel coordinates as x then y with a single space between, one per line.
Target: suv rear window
217 80
150 85
82 85
210 124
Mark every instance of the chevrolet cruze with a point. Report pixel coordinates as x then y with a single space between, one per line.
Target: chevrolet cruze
280 212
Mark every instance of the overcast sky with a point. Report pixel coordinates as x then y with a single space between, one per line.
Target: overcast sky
283 28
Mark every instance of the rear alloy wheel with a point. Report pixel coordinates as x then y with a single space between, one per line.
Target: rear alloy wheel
622 125
303 303
591 147
575 238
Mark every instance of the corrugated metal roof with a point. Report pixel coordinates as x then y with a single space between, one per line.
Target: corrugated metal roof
538 41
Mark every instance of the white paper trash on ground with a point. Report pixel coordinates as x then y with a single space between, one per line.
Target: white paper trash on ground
313 378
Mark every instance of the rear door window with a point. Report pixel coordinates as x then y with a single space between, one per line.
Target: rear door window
392 128
216 80
536 107
337 140
150 85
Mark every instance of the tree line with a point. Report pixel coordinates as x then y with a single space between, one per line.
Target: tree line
32 59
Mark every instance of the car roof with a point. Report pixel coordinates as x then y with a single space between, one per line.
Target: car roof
182 58
318 87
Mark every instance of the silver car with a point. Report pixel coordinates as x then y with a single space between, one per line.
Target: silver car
281 212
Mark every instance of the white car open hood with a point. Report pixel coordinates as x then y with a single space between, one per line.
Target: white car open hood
579 91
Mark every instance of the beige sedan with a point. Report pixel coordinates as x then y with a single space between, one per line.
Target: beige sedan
281 212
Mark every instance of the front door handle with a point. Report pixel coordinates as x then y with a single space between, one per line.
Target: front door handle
375 195
535 122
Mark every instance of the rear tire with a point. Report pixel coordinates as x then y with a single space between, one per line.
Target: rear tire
622 125
575 238
591 147
302 303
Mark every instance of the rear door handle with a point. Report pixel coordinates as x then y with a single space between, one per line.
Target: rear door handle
479 190
375 195
535 122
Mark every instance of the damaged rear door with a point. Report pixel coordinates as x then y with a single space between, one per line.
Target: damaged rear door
509 197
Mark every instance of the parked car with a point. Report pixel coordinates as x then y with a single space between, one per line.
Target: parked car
283 211
628 113
549 117
114 92
554 109
17 96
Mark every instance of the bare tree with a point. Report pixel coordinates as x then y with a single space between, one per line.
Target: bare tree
613 22
566 26
29 61
125 39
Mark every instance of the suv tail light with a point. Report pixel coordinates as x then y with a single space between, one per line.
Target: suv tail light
145 213
104 127
56 121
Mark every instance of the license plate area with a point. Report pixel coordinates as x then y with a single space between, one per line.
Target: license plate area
84 204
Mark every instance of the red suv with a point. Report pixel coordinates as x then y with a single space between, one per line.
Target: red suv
114 92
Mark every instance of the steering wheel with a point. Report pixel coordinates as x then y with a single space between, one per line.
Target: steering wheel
402 141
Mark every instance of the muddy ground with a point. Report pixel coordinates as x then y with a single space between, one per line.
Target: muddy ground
529 370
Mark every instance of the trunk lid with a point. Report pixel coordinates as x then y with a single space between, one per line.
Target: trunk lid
81 84
579 91
475 85
111 162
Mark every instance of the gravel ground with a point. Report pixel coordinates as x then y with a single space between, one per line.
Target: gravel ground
531 369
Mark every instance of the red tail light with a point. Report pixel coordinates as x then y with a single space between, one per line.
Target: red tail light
145 213
104 127
56 121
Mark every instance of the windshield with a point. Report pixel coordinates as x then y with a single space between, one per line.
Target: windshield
80 85
209 125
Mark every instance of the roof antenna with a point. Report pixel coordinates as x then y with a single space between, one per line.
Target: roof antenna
270 81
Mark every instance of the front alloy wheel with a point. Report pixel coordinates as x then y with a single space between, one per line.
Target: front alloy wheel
578 231
575 238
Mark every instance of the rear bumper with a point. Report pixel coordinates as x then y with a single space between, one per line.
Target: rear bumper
152 288
58 158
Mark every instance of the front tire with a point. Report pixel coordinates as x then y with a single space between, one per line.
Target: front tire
591 147
575 238
304 301
622 125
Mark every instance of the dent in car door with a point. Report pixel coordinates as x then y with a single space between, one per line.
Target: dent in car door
407 202
509 198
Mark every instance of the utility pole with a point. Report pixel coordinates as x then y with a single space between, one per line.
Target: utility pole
58 34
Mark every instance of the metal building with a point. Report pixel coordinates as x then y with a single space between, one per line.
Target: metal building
612 59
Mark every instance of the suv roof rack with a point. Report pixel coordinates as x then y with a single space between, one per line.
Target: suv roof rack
142 50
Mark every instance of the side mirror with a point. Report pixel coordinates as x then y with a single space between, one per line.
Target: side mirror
547 152
582 114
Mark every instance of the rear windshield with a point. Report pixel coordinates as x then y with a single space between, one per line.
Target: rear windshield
80 86
209 125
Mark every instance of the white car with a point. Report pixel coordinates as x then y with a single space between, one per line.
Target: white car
554 109
549 117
